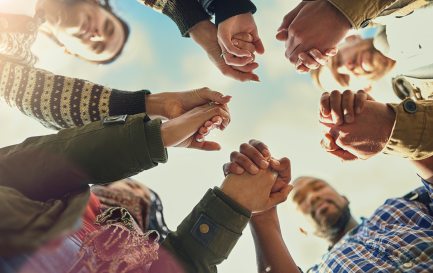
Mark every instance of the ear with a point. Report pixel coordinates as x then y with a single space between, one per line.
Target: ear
344 196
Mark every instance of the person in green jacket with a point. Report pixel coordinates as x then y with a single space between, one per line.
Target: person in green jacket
44 189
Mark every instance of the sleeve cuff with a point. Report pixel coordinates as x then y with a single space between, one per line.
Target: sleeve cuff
185 15
412 133
225 9
360 13
127 103
157 151
213 228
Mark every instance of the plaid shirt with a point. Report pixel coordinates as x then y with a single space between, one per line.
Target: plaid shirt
398 237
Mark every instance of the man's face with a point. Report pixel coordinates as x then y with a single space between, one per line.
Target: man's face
318 200
358 64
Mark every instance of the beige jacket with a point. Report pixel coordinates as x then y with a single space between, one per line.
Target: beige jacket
361 12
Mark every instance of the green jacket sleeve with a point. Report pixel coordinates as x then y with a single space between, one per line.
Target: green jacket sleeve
63 102
361 12
206 236
51 166
412 135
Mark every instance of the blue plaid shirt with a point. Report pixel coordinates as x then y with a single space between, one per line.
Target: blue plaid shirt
398 237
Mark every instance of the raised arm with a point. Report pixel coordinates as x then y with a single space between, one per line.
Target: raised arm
271 251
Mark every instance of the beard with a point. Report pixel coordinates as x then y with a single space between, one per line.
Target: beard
333 225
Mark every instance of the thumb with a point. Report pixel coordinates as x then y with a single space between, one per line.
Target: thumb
258 43
282 35
280 196
215 96
205 146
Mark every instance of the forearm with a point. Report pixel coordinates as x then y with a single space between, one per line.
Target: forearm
52 166
271 251
63 102
224 9
206 236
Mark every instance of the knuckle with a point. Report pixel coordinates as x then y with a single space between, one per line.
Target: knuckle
233 155
335 93
243 147
347 93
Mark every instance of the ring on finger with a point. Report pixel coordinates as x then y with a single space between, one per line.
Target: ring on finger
223 54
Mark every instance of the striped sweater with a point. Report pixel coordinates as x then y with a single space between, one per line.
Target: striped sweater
56 101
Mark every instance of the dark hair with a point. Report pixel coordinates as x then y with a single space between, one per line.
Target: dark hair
105 5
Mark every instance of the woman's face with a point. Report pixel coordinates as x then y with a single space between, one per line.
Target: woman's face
87 30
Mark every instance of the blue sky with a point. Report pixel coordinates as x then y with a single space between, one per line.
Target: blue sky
281 110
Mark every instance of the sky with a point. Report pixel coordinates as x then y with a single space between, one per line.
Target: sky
281 110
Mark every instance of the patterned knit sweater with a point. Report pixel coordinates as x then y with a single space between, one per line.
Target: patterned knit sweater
56 101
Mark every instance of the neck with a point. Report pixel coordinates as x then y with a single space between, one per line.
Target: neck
350 225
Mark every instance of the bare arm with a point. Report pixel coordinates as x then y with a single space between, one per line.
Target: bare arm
271 251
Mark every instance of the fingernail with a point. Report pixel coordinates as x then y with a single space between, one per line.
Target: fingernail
235 42
348 118
263 164
266 153
239 169
358 110
254 169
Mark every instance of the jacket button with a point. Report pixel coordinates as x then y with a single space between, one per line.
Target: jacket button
409 106
365 23
204 228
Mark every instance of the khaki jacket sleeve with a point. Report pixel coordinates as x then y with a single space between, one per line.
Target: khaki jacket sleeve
206 236
63 102
412 135
52 166
361 12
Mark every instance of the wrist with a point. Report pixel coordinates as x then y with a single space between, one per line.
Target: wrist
154 104
204 34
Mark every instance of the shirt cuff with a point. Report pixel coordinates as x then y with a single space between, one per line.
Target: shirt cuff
360 13
412 135
225 9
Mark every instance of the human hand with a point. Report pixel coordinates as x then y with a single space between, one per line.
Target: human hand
312 25
255 156
182 131
205 34
365 137
169 105
338 108
242 23
254 192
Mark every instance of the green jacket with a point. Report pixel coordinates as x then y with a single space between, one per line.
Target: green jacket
44 190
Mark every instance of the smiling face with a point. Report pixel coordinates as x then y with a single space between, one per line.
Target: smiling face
318 200
86 29
357 65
